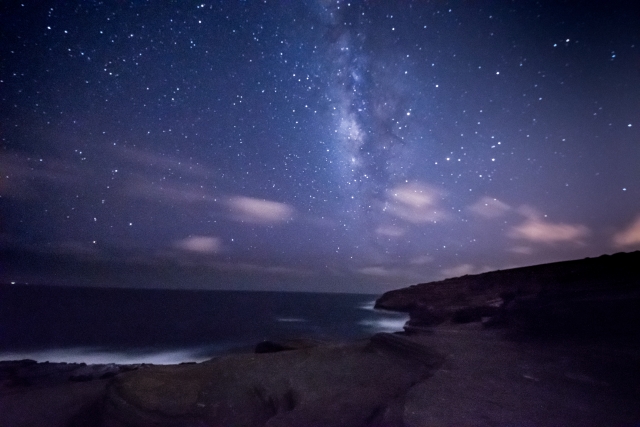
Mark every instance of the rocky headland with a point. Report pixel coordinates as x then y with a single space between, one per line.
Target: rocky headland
575 362
589 298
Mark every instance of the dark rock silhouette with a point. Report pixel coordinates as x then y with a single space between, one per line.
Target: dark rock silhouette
268 346
593 297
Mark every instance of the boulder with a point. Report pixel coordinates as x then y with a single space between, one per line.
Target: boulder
358 384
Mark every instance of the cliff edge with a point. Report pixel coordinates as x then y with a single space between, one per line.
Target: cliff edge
596 296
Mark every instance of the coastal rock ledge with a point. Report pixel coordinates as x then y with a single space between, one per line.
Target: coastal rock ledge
462 375
359 384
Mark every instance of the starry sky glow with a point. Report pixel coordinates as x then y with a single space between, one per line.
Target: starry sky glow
317 145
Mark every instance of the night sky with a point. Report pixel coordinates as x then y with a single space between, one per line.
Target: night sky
313 145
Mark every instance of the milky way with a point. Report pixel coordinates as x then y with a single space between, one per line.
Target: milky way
316 145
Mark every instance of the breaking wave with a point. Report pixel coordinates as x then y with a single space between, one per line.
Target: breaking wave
384 325
97 356
369 305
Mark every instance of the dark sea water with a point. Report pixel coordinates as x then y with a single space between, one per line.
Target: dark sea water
92 325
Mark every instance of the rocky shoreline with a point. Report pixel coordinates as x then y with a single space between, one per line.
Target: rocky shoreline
291 383
573 361
454 375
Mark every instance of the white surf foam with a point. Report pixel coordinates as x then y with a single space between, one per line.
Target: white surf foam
99 356
385 324
291 319
369 305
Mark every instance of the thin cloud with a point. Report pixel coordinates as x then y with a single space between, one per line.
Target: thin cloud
390 231
143 188
389 273
23 176
415 203
376 271
76 248
489 207
262 269
629 236
538 230
200 244
163 162
522 250
259 211
458 270
421 260
463 269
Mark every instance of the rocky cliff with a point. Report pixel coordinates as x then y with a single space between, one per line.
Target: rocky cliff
593 294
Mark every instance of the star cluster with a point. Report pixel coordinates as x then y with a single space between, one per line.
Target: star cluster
314 145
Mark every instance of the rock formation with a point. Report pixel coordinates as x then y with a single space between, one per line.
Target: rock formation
460 374
594 297
359 384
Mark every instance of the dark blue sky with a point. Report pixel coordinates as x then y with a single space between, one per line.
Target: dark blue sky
316 145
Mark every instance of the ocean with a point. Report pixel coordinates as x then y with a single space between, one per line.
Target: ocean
128 326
